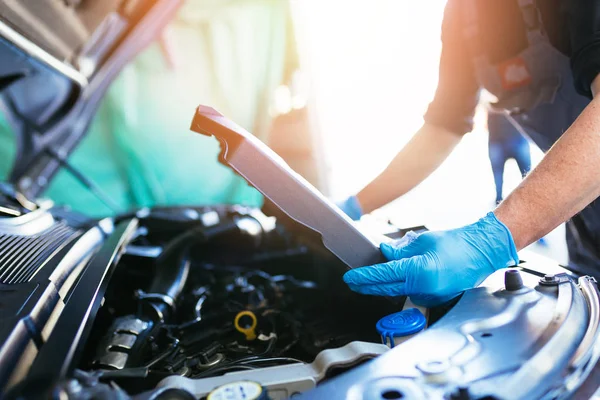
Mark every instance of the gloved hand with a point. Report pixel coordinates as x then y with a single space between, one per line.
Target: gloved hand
434 267
351 207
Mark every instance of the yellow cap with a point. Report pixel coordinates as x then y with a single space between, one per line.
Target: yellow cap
250 331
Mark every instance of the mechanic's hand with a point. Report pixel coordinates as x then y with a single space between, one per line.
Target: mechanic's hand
435 267
351 207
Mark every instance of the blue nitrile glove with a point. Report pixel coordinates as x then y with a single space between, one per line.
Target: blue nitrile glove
434 267
351 207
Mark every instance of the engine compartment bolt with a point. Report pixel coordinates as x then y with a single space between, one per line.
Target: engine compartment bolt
549 280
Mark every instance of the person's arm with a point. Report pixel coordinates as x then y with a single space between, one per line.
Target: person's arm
567 179
422 155
436 266
448 118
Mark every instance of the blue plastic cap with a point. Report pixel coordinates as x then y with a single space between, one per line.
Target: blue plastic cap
403 323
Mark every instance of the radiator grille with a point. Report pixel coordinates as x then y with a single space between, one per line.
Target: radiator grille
22 256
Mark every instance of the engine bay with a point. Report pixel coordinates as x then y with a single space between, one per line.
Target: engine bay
203 302
200 293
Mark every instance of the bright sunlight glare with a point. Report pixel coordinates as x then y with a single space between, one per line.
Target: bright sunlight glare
374 69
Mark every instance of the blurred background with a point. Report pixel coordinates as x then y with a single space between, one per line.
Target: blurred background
336 88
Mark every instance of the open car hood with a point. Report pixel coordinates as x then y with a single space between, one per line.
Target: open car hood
58 60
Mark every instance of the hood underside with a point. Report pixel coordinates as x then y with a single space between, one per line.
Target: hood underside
58 60
61 28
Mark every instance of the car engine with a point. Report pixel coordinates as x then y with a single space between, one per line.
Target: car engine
190 302
200 292
229 291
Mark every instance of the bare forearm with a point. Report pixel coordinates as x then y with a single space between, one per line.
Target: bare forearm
430 146
564 182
